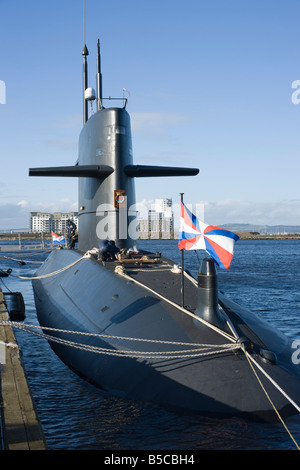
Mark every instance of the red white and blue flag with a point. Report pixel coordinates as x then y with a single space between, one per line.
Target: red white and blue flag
56 239
196 235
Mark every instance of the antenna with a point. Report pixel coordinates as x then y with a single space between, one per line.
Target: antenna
85 53
99 78
83 21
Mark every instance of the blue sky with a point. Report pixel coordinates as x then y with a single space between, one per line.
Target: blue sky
210 86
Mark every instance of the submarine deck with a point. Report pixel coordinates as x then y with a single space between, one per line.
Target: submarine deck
163 277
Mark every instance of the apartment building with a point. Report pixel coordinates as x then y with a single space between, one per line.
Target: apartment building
160 221
45 222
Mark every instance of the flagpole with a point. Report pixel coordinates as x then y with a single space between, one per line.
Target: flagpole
182 266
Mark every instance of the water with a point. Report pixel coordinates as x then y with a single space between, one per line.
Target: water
264 276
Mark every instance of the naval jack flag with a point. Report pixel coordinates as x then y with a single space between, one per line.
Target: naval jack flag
196 235
56 239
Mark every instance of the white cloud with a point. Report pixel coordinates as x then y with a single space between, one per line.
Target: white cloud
16 215
253 212
62 205
13 216
23 204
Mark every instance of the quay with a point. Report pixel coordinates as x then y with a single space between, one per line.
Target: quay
20 428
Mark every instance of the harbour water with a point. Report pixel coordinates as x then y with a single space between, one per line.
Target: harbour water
264 277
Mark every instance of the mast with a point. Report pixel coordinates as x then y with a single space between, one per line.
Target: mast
182 265
85 53
99 78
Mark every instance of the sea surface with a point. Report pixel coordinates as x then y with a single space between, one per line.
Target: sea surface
264 277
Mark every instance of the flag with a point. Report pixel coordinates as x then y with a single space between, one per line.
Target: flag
196 235
57 239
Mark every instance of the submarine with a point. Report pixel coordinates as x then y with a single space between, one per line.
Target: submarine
124 325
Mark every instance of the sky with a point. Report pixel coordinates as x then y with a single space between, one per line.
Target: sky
210 85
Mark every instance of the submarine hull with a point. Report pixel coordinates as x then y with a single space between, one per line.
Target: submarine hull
92 298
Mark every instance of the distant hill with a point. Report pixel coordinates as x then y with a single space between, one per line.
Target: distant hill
262 229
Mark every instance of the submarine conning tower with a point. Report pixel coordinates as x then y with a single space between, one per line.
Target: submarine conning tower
207 302
106 189
107 203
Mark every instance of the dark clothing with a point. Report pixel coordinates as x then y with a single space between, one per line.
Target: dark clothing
108 250
71 234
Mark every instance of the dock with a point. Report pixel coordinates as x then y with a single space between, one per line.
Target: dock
20 428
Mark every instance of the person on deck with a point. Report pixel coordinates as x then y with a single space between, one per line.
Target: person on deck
108 250
71 233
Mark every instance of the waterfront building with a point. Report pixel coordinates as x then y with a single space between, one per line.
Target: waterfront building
45 222
159 223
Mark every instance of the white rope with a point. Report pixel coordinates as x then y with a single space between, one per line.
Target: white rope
9 345
202 350
24 254
22 260
136 268
223 333
272 381
249 358
43 276
99 335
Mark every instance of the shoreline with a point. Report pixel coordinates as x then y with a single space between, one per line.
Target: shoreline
243 236
261 236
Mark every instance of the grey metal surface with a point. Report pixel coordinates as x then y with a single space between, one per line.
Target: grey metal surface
106 140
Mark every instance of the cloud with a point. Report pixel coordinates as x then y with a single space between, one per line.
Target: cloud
62 205
13 216
16 215
253 212
23 204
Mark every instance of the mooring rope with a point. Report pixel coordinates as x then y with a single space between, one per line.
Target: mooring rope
54 273
100 335
198 351
249 358
27 253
